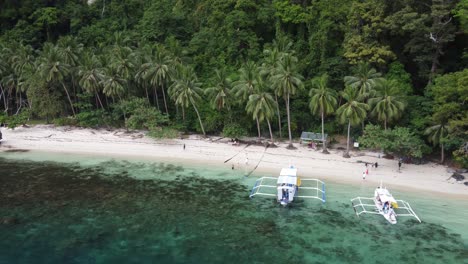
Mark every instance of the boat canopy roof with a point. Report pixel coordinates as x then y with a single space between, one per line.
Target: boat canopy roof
288 176
385 195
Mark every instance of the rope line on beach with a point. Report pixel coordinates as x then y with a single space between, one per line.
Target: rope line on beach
236 153
260 160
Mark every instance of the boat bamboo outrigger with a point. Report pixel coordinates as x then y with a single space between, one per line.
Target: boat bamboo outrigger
289 186
384 204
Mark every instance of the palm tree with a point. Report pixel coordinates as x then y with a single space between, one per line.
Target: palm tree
247 84
262 107
364 79
352 112
91 75
323 102
158 71
185 91
437 134
280 47
113 83
53 69
287 81
387 105
221 91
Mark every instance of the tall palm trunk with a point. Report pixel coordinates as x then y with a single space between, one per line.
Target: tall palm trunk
99 100
199 118
258 128
146 91
5 104
164 98
385 123
279 115
269 128
156 97
289 121
442 156
347 147
324 142
69 99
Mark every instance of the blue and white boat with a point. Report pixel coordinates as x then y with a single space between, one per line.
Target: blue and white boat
289 186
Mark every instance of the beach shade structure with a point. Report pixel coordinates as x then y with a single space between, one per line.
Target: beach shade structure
307 137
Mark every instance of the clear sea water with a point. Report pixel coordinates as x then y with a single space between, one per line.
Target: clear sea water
81 209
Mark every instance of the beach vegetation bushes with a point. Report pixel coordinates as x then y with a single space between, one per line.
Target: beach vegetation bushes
163 132
398 141
234 130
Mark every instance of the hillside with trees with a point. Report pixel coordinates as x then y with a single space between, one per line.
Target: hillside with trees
393 73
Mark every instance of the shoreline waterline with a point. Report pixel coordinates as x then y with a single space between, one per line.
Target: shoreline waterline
370 181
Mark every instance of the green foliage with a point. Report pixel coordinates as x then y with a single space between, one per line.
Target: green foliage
402 79
139 114
146 118
399 141
461 13
461 155
163 132
20 119
234 130
65 121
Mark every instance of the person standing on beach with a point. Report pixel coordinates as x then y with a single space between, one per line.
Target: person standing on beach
184 146
376 165
399 165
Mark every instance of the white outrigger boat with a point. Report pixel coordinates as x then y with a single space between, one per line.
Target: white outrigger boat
384 204
288 186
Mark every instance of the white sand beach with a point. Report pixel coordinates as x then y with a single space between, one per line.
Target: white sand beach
310 163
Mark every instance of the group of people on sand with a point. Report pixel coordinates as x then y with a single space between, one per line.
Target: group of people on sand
365 173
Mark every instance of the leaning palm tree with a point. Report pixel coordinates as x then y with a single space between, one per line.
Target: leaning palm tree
437 134
185 91
322 102
287 81
247 84
262 107
364 79
53 69
221 91
387 106
352 112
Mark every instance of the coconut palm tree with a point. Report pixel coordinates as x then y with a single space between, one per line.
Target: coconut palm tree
247 84
221 91
287 81
352 112
158 71
185 91
322 102
437 134
262 106
53 69
113 84
387 106
281 46
91 75
364 79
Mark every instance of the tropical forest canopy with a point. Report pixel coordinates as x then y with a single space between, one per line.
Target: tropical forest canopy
389 71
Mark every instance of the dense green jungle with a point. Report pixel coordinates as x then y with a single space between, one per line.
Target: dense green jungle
391 74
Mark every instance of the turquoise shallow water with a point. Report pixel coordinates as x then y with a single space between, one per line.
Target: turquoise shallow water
78 209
